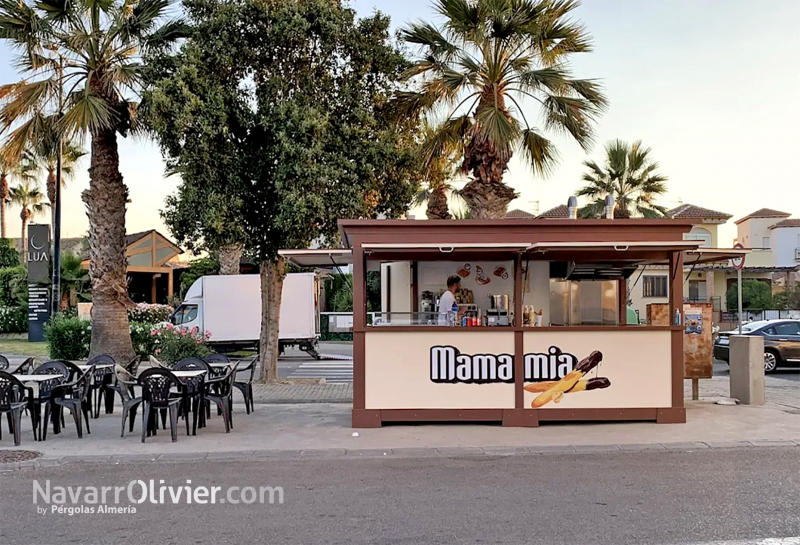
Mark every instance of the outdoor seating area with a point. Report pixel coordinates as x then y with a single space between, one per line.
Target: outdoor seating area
162 395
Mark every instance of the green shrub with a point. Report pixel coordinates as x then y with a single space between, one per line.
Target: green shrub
151 314
143 342
68 338
9 257
172 344
756 295
13 319
13 286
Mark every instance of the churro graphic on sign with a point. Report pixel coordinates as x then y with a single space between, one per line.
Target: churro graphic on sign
571 382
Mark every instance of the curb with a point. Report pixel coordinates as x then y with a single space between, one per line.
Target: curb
350 454
295 401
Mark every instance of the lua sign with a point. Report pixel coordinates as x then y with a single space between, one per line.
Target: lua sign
38 261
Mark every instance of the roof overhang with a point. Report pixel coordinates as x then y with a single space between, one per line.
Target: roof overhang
446 247
703 256
616 246
318 257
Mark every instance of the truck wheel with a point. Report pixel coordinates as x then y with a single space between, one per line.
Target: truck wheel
771 361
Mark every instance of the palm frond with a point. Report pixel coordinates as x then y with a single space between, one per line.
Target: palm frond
87 112
538 151
428 36
571 115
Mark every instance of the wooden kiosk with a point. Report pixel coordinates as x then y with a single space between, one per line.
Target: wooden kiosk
582 363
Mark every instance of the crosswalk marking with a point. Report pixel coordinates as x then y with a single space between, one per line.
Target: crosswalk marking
331 371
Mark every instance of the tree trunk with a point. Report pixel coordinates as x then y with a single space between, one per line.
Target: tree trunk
487 200
3 199
105 204
230 257
272 275
486 195
437 205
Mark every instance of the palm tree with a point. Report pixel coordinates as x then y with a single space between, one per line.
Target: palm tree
44 151
8 168
629 175
93 51
31 201
488 58
75 282
438 171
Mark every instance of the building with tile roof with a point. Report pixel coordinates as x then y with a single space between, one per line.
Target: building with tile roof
559 212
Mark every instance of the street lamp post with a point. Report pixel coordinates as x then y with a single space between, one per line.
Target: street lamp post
56 289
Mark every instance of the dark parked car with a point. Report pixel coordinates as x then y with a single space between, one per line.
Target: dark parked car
781 342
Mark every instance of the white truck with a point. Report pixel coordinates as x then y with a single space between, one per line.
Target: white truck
229 308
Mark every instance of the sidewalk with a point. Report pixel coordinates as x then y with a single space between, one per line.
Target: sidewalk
303 393
323 430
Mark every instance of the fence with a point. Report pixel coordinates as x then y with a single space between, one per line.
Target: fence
730 320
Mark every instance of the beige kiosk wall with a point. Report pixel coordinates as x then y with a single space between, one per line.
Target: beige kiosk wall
398 373
638 364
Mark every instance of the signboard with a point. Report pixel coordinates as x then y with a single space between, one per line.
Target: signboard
561 370
738 262
38 261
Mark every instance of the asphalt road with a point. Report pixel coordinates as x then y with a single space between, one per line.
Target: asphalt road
591 498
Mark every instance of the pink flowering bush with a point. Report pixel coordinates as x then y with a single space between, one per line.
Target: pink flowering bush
171 344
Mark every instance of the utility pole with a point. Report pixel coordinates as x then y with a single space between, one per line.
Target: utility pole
56 289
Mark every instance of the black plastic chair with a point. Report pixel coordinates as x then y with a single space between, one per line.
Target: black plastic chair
102 388
73 396
75 372
13 400
156 384
220 391
4 363
125 383
193 391
25 367
246 386
60 375
217 358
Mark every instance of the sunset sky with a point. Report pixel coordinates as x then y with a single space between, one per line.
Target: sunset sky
711 86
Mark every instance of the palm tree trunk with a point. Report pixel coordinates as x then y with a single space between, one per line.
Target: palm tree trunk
486 195
105 204
230 257
3 199
437 205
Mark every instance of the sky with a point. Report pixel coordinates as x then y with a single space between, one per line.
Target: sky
711 86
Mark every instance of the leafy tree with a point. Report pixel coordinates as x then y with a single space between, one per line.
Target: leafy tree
9 256
294 95
30 199
629 175
756 295
488 58
85 56
788 299
197 268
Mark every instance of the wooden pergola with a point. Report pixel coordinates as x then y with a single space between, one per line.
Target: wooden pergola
148 252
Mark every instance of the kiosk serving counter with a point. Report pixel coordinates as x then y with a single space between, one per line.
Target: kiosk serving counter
567 351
